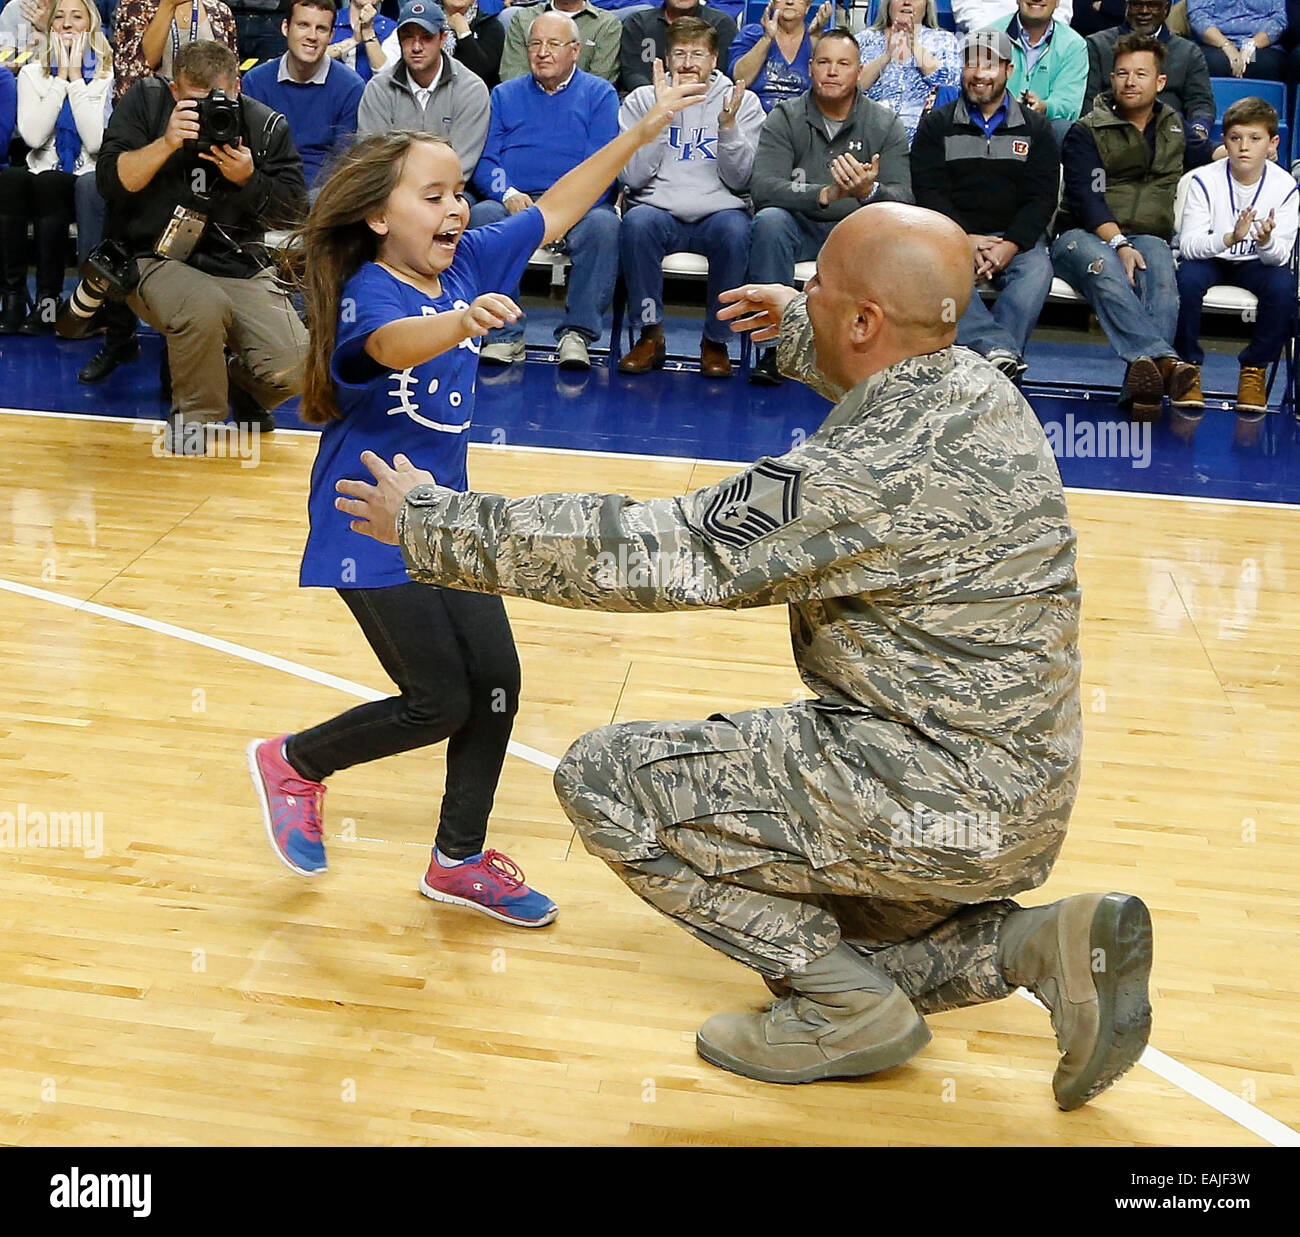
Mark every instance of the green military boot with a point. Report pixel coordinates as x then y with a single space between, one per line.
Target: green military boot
1088 959
842 1019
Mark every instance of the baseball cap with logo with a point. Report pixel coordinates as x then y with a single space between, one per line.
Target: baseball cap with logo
423 13
988 43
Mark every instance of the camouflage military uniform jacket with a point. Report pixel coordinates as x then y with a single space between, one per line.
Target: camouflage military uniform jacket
921 541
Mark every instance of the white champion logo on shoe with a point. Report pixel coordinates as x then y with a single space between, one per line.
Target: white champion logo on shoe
289 799
478 887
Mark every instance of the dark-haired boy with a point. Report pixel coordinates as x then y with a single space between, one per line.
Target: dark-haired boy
1238 227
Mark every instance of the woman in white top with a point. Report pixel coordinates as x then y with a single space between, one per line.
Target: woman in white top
64 96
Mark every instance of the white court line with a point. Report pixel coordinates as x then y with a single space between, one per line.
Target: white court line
1210 1093
672 459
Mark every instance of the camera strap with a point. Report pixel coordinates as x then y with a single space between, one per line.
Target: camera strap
194 29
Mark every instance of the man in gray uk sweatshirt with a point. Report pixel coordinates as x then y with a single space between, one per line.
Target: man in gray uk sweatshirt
686 193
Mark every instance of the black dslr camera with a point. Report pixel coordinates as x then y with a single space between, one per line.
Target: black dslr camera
109 273
221 123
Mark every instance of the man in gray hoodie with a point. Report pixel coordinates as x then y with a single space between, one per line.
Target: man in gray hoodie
684 194
820 157
427 90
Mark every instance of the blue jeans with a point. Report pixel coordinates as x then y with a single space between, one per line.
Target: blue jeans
649 234
1139 318
1274 286
779 240
592 245
1022 289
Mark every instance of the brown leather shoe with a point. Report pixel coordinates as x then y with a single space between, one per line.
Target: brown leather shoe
1184 386
1252 389
714 361
1144 385
648 354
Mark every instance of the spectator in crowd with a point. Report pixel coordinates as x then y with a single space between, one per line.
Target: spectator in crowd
1092 15
1240 38
1238 227
316 95
600 30
645 39
1114 231
543 126
1187 88
480 38
1050 69
820 157
683 193
981 14
13 233
360 33
219 295
258 28
906 58
772 55
427 91
148 34
64 95
992 165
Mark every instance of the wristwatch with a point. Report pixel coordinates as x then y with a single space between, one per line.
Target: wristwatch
1119 241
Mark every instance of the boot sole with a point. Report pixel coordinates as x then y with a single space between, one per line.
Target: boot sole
1147 389
1121 928
851 1065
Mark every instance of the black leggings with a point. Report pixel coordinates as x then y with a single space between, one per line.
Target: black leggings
453 657
49 200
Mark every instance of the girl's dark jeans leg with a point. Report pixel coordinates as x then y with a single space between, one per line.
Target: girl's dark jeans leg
453 659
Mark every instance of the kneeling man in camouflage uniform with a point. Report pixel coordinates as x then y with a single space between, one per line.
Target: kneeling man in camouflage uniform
857 849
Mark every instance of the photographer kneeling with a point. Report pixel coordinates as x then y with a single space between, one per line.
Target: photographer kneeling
192 180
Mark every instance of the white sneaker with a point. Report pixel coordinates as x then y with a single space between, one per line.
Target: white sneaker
505 353
573 351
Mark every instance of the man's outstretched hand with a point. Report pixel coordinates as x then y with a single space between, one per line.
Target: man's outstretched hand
375 507
756 307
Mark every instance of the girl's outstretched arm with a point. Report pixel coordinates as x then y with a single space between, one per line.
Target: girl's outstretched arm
412 341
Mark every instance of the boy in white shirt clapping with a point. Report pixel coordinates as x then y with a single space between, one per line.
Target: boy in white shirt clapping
1238 227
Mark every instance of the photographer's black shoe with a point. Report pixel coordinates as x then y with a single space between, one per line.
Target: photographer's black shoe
107 359
764 372
41 320
245 410
13 312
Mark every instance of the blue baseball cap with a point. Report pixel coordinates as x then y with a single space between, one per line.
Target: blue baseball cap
423 13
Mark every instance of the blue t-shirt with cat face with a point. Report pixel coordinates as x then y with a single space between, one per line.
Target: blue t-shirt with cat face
423 412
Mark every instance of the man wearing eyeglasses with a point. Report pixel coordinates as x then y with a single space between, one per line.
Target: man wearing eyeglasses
645 39
543 126
599 30
1187 79
427 90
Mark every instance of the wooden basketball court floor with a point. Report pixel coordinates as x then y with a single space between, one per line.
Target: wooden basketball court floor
183 987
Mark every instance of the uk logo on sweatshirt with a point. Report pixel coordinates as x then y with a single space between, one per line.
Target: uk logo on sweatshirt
700 144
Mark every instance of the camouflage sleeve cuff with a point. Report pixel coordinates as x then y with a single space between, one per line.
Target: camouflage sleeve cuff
422 530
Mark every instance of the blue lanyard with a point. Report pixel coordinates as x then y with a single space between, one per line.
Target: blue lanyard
1249 243
194 30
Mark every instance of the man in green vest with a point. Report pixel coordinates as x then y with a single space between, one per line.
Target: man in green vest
1122 162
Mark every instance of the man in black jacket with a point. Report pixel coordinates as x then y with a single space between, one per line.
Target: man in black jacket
1187 80
993 167
221 291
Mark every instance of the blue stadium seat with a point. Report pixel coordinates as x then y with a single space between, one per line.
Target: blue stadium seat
1227 90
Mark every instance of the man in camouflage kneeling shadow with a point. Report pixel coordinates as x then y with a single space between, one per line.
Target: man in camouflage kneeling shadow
857 849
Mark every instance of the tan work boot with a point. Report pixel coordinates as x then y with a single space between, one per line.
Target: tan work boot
1252 389
1184 381
805 1038
1144 389
1088 959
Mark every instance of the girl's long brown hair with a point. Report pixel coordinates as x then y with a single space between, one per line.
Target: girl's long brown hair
335 243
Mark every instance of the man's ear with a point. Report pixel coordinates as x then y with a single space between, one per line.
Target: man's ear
176 94
284 27
866 323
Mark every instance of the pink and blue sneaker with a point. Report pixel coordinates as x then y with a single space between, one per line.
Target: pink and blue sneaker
492 883
291 806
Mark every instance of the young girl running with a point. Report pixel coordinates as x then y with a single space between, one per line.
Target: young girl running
397 295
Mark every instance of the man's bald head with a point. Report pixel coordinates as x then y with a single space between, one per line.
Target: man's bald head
892 281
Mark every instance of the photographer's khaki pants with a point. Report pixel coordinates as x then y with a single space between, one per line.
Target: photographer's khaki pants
200 316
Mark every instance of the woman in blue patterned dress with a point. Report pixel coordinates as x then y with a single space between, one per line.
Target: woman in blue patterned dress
906 58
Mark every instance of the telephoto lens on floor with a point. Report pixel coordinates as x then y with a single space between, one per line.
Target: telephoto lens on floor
109 272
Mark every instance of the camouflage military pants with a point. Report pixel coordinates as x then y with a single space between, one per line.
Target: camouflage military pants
691 820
